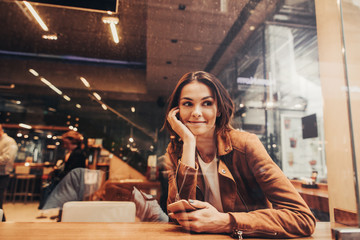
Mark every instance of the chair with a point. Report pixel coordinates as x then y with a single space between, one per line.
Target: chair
98 211
22 174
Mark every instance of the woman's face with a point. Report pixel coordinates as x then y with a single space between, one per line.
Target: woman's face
68 145
198 108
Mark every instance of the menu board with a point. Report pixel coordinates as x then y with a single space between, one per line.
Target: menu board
300 156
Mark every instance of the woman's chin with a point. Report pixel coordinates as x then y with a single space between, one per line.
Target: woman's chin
201 132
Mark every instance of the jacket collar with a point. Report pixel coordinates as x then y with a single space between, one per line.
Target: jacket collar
224 145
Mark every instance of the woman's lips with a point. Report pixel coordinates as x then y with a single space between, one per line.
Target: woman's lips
196 122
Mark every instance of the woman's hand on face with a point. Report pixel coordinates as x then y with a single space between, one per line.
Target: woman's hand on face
179 127
206 219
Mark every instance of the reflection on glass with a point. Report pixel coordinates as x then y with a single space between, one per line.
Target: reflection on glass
274 57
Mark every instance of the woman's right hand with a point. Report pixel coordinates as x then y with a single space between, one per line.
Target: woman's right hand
184 133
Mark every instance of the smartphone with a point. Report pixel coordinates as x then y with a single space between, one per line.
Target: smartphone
181 206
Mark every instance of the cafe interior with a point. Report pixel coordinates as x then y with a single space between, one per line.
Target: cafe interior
106 69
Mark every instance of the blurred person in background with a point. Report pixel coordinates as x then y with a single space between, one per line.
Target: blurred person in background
8 151
75 157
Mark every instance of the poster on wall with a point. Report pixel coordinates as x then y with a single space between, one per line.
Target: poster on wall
301 154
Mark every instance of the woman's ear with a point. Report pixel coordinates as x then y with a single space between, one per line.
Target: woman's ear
218 114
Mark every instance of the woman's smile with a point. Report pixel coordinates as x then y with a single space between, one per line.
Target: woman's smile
196 122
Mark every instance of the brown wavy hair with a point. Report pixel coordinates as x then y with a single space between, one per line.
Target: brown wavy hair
224 103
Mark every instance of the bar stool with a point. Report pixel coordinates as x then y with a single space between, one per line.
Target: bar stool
22 175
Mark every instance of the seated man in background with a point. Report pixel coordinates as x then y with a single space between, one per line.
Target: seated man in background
83 184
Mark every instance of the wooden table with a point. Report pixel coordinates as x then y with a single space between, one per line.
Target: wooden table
109 231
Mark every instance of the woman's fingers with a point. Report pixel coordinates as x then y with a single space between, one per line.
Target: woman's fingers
178 126
199 204
172 115
189 221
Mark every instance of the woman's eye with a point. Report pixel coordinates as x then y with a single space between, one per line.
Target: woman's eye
207 103
186 104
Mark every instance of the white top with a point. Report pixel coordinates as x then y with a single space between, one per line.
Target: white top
8 151
211 179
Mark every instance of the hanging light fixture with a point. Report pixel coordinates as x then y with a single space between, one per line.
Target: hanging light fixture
112 21
36 16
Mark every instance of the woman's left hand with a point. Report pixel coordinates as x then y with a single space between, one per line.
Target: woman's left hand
206 219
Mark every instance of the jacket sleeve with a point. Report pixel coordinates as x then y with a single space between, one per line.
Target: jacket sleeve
182 178
289 216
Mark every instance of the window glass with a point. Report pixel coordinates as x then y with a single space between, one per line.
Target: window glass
107 71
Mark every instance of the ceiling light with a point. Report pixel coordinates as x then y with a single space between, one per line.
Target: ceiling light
16 102
23 125
57 143
36 16
67 98
132 109
71 127
108 20
97 96
75 129
114 33
49 84
50 36
11 86
131 140
112 21
78 106
85 82
198 48
51 109
33 72
252 28
26 136
49 136
36 138
19 134
241 105
104 106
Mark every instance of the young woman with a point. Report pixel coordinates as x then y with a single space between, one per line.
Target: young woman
226 173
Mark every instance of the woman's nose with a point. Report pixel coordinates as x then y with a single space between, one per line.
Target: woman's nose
196 112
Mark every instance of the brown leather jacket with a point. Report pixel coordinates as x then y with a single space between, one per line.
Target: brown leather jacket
253 189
